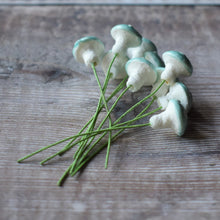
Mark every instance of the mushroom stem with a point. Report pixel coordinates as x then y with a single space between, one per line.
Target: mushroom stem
168 74
120 46
161 121
135 83
89 57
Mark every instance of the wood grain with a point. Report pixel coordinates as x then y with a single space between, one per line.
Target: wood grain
45 96
109 2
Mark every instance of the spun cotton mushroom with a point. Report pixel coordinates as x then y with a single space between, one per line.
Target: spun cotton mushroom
140 73
88 50
179 92
164 88
146 45
154 58
125 36
118 67
176 64
145 68
173 117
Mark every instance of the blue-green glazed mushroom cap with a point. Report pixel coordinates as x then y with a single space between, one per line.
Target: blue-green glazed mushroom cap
140 73
85 43
141 60
128 28
154 58
160 69
181 58
152 46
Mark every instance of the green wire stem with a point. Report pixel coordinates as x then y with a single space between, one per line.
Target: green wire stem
109 116
140 102
102 123
118 88
129 110
102 98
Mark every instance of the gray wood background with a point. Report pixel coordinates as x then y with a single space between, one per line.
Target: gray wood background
45 96
110 2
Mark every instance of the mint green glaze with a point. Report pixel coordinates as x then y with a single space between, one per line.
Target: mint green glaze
128 28
152 45
156 58
180 117
84 40
182 58
141 60
160 69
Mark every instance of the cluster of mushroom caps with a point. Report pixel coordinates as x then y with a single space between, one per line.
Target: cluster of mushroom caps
137 59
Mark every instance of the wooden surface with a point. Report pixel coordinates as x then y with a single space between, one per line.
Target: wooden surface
110 2
45 96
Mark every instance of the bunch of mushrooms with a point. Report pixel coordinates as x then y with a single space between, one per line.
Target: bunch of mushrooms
134 60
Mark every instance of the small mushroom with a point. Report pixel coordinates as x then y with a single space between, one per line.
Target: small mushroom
125 36
173 117
154 58
176 64
179 92
88 50
118 67
146 45
164 88
140 73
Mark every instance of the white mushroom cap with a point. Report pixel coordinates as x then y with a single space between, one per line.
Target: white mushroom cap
118 67
173 117
125 36
176 64
140 73
179 92
146 45
154 58
164 88
88 50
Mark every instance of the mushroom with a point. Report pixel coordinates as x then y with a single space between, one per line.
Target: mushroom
146 45
125 36
173 117
88 50
118 67
164 88
154 58
179 92
176 64
140 73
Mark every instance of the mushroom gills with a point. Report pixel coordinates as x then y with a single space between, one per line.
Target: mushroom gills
140 73
88 50
176 65
125 36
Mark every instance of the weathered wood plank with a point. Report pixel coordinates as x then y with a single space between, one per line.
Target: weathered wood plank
45 95
109 2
